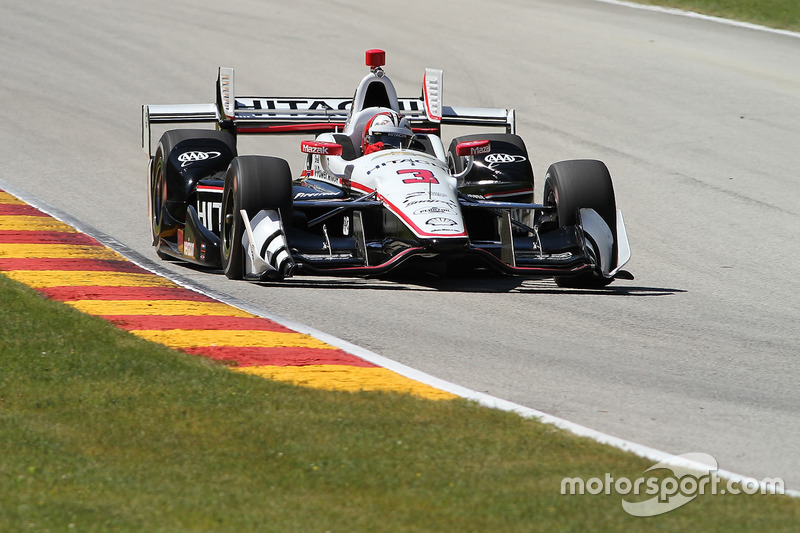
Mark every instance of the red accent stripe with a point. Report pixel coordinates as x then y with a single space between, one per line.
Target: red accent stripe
70 293
422 233
374 268
427 99
21 209
46 237
97 265
508 193
401 215
360 187
285 356
214 323
294 128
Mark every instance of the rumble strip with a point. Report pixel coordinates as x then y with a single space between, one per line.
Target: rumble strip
69 266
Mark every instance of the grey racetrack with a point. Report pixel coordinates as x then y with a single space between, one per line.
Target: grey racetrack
697 121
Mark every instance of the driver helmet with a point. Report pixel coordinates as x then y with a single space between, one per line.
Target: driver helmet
387 129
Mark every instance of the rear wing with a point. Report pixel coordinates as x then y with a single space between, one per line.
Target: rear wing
291 115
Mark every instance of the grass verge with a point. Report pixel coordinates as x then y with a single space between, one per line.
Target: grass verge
782 14
101 430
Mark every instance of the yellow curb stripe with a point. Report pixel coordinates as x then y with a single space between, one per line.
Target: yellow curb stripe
347 378
328 377
6 198
157 307
239 338
40 279
57 251
31 223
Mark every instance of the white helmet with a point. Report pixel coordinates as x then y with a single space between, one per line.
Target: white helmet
387 129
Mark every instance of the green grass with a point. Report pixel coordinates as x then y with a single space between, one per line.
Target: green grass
783 14
100 430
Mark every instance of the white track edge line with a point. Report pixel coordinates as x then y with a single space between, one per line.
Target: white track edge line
481 398
700 16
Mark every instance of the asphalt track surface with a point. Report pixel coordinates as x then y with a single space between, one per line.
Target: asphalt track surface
696 120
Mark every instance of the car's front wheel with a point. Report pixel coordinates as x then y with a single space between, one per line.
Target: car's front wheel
574 185
252 183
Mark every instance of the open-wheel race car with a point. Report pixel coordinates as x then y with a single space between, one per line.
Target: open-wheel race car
379 190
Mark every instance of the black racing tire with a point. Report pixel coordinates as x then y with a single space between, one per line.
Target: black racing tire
574 185
252 183
158 194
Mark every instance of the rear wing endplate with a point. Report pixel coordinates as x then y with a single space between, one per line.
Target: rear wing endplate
312 115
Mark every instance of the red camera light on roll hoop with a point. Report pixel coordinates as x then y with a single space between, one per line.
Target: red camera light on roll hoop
376 58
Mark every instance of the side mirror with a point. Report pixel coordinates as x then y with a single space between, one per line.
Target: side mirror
473 148
320 148
469 149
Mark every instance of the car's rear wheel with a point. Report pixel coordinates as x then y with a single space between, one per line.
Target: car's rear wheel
160 196
252 183
157 197
574 185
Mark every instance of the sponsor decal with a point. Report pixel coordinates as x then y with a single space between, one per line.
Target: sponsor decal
429 194
293 104
411 161
187 158
441 221
479 150
188 248
415 202
210 214
310 195
409 105
320 149
420 176
321 174
312 104
427 199
474 196
433 210
443 230
494 159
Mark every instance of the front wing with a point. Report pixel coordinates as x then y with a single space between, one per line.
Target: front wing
273 253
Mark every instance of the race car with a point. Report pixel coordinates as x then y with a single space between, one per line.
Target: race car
378 191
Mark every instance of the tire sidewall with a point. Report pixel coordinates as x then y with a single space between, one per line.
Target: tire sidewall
578 184
230 246
252 183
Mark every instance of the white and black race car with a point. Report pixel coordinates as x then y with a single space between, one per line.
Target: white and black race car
378 192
